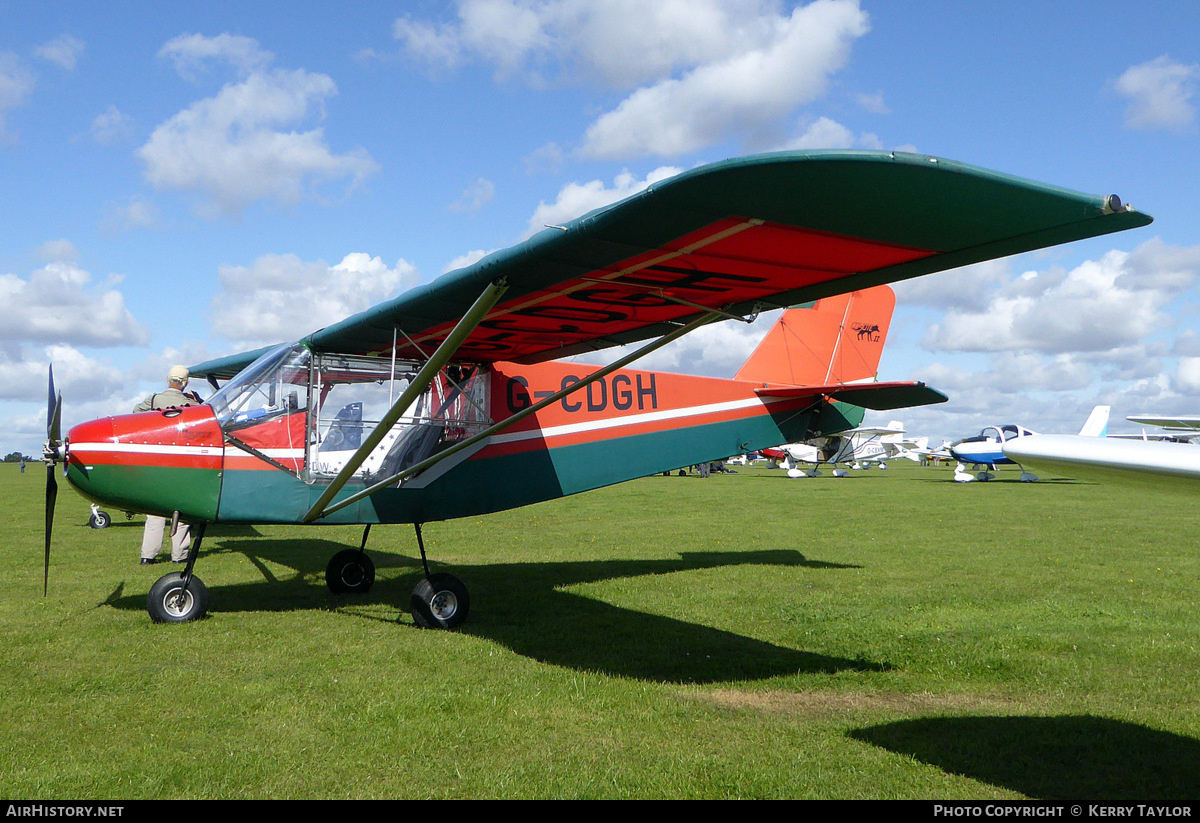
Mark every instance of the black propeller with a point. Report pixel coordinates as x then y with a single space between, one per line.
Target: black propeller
50 453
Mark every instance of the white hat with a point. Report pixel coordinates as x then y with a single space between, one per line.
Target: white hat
178 374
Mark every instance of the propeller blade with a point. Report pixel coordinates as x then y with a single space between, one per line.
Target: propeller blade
53 441
54 427
51 498
50 400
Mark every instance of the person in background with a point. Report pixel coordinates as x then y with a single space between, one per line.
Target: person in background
175 395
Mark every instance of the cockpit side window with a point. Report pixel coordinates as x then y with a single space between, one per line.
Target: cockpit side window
308 413
264 409
352 394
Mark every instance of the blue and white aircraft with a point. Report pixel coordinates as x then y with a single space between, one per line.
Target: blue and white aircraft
988 448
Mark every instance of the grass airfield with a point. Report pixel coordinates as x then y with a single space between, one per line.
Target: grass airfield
887 635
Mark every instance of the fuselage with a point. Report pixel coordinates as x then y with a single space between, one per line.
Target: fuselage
987 447
264 451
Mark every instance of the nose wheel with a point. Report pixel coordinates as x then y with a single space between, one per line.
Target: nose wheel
171 600
179 597
99 519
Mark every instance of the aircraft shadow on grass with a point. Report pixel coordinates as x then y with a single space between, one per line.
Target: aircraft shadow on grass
1051 758
524 607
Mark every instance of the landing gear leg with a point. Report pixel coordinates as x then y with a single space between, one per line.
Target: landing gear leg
440 601
180 596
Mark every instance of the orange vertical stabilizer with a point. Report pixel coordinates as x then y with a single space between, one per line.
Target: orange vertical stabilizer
838 340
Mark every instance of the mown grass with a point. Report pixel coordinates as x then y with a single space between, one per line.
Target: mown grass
890 635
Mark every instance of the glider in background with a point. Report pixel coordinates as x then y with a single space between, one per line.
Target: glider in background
1158 464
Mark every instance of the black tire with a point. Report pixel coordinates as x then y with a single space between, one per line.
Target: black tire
169 603
350 572
100 520
440 601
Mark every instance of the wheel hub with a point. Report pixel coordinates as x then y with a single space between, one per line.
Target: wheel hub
443 605
352 574
178 602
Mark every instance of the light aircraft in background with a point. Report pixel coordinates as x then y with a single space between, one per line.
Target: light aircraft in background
926 455
989 447
857 448
447 402
1180 429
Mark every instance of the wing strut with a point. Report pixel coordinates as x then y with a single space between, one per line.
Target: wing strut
474 316
707 317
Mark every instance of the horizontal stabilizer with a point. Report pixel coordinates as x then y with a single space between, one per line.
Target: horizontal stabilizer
875 396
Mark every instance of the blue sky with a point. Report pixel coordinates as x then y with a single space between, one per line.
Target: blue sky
185 181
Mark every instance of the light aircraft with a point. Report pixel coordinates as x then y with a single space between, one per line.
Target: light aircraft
1181 428
989 447
446 402
985 449
930 456
858 448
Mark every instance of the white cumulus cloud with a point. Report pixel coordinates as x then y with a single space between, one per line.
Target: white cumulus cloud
577 199
244 144
281 297
1160 94
1097 306
62 51
697 71
57 304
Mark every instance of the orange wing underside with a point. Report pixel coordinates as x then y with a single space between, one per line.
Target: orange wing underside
728 262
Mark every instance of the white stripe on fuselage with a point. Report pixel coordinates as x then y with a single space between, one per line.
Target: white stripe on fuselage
635 419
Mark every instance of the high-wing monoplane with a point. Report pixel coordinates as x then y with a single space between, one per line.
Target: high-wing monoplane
857 448
447 401
1182 428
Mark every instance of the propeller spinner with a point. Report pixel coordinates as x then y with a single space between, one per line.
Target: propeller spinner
52 452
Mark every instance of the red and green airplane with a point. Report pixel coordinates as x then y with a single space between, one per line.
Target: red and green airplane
445 401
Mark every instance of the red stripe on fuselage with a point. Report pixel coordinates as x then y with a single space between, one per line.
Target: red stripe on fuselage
172 438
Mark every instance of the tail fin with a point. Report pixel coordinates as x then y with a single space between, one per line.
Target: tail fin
897 436
839 340
1097 423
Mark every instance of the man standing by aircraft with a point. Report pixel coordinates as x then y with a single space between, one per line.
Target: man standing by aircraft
175 396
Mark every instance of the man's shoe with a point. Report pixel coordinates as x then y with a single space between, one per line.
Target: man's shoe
149 561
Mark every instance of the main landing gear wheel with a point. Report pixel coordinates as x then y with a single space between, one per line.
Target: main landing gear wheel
440 601
99 520
350 571
168 602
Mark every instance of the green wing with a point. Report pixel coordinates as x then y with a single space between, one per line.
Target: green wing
741 235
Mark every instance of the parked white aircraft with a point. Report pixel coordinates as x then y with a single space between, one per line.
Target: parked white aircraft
991 447
1156 463
925 455
857 448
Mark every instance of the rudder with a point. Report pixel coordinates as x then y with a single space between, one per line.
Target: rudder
838 340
